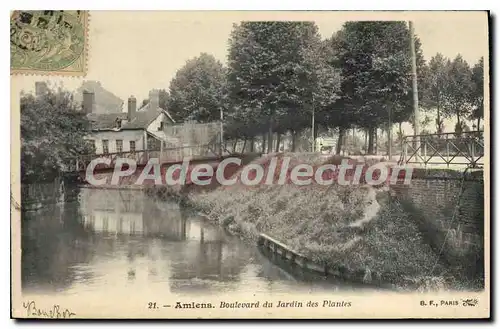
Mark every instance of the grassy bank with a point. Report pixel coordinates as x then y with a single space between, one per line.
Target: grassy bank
350 227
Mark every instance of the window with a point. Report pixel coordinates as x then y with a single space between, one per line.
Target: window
132 146
105 146
119 145
160 128
105 222
92 221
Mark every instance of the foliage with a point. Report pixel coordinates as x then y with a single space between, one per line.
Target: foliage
163 96
328 103
376 65
197 91
274 69
434 87
375 60
52 130
280 71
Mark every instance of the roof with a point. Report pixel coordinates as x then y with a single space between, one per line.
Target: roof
142 119
169 140
167 114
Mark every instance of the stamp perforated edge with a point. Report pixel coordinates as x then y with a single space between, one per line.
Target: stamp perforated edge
86 52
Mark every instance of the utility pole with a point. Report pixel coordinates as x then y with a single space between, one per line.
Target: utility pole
415 88
312 126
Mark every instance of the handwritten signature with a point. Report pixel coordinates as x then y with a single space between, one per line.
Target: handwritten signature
56 312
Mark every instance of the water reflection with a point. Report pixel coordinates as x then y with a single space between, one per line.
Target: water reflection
53 243
115 240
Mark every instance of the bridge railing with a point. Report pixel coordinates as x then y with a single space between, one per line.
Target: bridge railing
444 149
141 157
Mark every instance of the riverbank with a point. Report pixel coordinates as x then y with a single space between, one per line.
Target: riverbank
354 229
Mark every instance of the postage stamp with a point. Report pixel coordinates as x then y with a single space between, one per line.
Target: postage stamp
48 42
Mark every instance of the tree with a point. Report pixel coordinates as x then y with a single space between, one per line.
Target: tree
329 110
434 87
52 131
477 92
197 90
163 99
458 90
375 60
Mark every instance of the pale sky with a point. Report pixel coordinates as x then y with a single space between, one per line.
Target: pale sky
132 52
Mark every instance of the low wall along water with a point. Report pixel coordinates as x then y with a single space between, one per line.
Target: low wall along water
449 208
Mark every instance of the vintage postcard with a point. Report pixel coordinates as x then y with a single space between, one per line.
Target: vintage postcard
233 164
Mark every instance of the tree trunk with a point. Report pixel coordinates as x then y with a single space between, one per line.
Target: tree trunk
438 115
244 145
278 142
371 135
294 140
366 141
438 130
478 123
263 143
458 127
270 137
388 151
340 141
252 144
400 132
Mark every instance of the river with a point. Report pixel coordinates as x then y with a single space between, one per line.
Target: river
119 241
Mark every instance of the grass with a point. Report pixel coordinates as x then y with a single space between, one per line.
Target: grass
318 222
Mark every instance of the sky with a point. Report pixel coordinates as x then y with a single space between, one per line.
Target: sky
131 52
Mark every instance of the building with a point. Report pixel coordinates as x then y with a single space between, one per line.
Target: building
134 130
129 212
326 145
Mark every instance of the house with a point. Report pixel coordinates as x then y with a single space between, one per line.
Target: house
105 101
134 130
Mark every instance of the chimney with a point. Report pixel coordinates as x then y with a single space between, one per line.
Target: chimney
132 106
154 99
88 102
40 88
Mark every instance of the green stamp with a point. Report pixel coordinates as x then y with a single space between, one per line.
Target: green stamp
49 42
